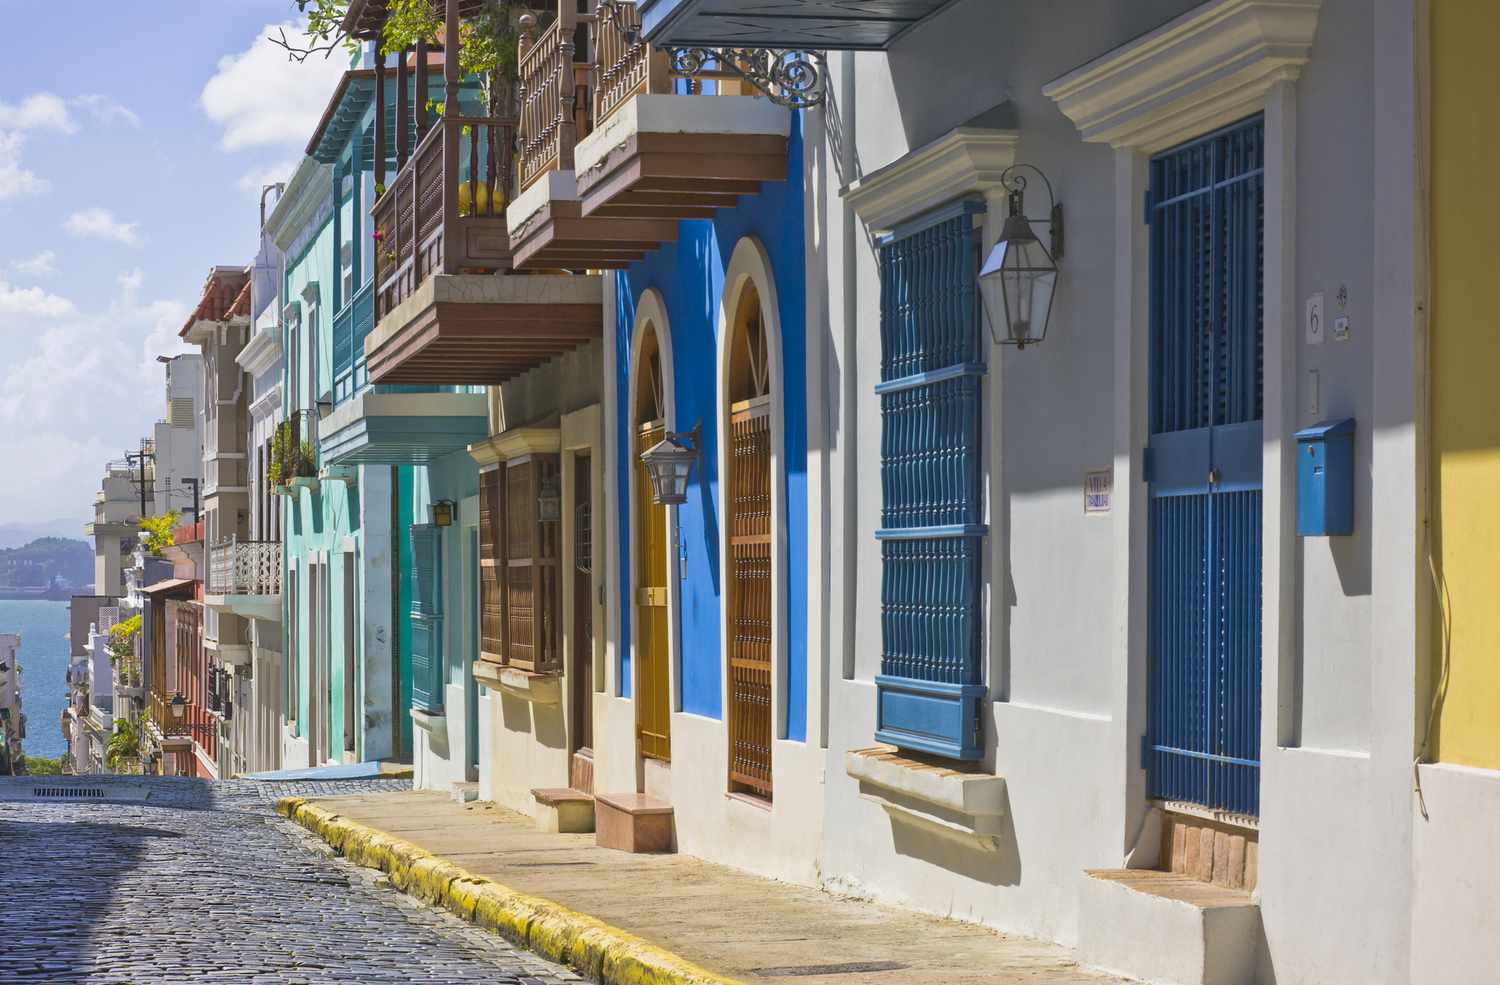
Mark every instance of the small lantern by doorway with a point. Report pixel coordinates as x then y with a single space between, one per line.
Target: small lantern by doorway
669 462
442 513
549 499
1025 269
179 707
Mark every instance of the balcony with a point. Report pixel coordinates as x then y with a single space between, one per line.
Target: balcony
244 578
197 726
548 228
658 155
386 426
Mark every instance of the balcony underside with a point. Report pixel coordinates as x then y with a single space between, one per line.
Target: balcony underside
402 428
832 25
267 607
681 157
483 330
548 230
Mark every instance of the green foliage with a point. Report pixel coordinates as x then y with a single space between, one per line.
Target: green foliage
122 639
159 531
124 744
290 457
40 766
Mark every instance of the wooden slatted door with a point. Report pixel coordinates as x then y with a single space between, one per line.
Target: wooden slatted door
532 534
653 704
750 596
582 672
1204 469
491 564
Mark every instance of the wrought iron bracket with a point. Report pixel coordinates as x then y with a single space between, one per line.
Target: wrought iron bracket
788 77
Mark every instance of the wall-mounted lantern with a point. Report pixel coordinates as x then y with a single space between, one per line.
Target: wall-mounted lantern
549 499
179 707
1025 269
669 461
442 513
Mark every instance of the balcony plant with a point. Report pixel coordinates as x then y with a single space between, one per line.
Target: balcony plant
158 531
124 745
291 458
121 645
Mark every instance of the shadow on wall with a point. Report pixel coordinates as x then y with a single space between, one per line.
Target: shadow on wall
543 722
939 837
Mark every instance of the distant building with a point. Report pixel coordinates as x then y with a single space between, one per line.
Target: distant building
12 718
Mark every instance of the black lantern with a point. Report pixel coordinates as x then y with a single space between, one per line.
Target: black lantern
442 513
668 462
549 499
1025 269
179 707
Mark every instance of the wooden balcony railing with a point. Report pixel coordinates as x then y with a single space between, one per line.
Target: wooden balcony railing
553 93
445 211
624 64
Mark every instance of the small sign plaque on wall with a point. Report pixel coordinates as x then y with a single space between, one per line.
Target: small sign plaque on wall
1098 490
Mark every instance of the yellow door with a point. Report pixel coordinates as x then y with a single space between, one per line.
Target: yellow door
653 698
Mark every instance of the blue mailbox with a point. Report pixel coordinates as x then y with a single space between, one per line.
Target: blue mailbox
1325 479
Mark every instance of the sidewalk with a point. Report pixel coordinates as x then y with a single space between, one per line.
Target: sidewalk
730 924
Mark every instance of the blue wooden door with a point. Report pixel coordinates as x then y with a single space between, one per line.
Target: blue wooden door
428 673
1204 468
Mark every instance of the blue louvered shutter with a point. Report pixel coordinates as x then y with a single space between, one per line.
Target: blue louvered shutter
427 670
1204 465
364 324
930 690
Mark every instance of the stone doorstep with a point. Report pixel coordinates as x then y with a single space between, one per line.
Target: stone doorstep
563 810
464 792
633 822
1210 850
1167 927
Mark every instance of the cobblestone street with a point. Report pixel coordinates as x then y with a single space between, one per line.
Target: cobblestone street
202 882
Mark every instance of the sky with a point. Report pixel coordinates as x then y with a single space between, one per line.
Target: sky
135 139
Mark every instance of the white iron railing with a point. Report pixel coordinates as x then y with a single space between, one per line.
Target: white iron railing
245 567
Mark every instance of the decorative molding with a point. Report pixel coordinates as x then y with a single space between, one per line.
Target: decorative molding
542 689
1208 68
967 807
261 352
516 442
962 162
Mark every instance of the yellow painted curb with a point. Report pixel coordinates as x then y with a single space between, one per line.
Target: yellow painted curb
594 948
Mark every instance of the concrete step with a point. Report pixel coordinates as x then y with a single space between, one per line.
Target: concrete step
1167 927
464 793
563 810
633 822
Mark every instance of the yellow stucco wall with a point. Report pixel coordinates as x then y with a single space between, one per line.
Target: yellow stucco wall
1465 258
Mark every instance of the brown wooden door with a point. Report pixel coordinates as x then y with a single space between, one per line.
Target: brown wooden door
653 698
582 670
750 596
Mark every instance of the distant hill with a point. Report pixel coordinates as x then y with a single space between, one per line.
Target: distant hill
45 561
17 534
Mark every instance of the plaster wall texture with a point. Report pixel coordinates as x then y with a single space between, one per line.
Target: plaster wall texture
1066 717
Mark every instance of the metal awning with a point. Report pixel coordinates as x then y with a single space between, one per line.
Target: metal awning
826 25
170 587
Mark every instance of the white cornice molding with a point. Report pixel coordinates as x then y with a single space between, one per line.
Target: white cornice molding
311 187
961 162
261 352
515 443
1208 68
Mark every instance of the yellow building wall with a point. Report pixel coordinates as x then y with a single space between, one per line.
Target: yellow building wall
1465 320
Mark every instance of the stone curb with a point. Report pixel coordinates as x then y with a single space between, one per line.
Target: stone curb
591 947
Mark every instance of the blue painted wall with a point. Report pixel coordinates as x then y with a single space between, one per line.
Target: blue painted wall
689 274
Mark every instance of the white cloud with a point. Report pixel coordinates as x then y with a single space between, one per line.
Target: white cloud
260 98
16 181
44 264
39 111
130 282
107 110
102 224
30 301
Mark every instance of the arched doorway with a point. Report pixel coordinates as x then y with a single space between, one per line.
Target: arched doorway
749 650
653 706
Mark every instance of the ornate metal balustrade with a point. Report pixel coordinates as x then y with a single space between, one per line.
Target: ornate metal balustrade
245 567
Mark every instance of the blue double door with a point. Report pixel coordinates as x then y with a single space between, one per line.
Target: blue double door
1203 466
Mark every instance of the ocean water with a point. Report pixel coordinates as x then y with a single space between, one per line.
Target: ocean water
44 668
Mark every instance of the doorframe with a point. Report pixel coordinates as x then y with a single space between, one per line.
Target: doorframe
651 311
580 432
1280 550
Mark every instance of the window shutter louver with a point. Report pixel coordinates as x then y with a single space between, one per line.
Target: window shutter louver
427 676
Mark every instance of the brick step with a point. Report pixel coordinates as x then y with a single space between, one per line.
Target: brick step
633 822
563 810
1167 927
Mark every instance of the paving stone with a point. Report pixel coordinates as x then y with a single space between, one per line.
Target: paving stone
202 882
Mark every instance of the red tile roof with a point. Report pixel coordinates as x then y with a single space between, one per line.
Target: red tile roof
220 296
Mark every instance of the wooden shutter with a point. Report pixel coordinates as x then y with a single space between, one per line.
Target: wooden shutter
532 630
750 596
426 617
491 564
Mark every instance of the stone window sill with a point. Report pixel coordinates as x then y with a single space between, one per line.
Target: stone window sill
961 805
542 689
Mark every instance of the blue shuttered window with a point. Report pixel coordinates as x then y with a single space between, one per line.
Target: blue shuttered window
931 683
1204 466
428 672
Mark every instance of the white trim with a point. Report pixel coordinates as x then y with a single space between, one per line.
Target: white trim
750 264
261 352
1213 65
651 312
963 161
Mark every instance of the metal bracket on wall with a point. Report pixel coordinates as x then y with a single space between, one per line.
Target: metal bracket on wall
788 77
